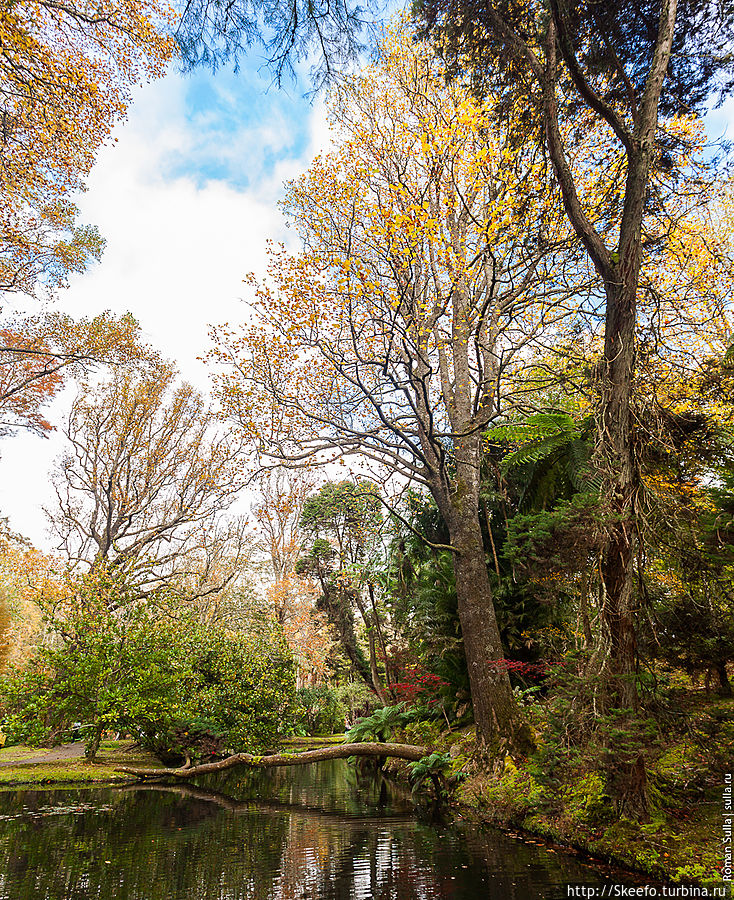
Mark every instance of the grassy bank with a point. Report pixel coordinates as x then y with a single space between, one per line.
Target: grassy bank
682 839
19 766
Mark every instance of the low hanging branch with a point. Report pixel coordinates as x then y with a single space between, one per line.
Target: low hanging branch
410 752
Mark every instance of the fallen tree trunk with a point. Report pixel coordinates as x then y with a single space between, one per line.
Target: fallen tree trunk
411 752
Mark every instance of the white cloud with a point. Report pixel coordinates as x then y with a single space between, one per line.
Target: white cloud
177 247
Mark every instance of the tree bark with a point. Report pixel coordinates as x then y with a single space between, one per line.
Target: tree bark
410 752
92 749
724 679
495 710
499 725
616 453
620 272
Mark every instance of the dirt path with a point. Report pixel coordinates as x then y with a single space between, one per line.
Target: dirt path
58 754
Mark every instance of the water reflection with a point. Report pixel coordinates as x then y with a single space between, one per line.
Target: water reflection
325 832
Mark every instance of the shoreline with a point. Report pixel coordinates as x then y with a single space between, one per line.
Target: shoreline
665 850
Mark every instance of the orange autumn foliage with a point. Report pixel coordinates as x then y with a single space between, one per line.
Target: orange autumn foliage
66 74
39 354
29 580
293 601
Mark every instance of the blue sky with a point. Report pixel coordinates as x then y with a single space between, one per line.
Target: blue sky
186 198
234 119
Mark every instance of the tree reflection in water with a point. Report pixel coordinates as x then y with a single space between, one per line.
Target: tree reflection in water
324 832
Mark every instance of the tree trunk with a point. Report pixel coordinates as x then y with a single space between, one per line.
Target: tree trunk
616 454
373 665
389 679
620 271
499 725
90 751
617 459
618 620
338 608
495 710
410 752
629 789
724 679
374 672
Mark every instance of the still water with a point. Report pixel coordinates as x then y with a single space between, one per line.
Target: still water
321 832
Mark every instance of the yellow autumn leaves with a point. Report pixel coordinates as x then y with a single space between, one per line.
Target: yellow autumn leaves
438 272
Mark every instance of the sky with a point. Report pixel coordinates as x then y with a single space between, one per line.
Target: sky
186 199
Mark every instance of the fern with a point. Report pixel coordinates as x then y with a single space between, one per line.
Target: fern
434 768
380 726
535 427
554 450
537 450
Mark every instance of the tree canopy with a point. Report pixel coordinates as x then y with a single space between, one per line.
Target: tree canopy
38 355
145 483
66 72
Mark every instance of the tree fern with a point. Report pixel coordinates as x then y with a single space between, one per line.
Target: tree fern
553 450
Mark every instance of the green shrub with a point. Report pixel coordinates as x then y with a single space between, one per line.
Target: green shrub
515 795
242 686
356 699
176 686
317 710
587 802
422 732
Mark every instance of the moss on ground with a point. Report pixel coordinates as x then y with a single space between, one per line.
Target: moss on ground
681 842
79 770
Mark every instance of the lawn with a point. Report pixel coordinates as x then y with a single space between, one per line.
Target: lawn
111 754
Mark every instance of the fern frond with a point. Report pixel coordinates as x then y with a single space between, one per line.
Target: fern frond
536 451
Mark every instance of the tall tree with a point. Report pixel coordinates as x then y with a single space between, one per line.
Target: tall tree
145 484
292 599
343 520
610 61
278 514
418 289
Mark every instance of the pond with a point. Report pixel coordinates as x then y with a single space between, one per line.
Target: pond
322 832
